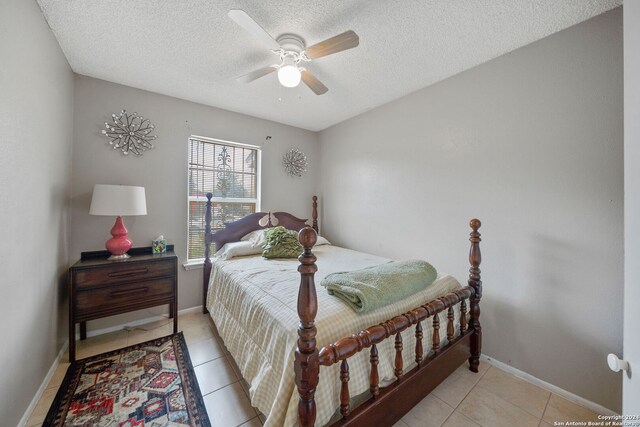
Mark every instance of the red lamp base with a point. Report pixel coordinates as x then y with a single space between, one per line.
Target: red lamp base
120 243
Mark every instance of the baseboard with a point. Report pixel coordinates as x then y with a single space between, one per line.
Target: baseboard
139 322
196 309
599 409
43 386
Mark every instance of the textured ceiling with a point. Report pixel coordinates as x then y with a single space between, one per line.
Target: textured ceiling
190 49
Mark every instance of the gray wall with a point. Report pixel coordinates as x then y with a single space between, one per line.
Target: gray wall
530 143
163 170
631 400
36 116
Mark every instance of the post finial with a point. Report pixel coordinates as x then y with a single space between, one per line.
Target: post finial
307 237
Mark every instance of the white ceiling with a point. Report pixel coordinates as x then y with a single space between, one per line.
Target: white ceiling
190 49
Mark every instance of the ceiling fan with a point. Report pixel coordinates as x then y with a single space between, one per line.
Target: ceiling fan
292 51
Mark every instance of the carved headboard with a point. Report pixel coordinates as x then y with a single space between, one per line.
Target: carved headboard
234 231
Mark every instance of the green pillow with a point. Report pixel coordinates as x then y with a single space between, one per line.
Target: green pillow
281 243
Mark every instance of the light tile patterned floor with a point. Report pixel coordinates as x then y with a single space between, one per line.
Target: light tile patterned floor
491 398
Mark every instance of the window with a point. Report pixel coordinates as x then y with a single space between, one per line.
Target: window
229 171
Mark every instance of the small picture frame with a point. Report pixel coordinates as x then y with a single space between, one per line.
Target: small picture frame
159 246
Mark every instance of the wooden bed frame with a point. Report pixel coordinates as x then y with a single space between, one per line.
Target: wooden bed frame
386 405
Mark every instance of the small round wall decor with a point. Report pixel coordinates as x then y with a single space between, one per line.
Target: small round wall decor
129 133
295 162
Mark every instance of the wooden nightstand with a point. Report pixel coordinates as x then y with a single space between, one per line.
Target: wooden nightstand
100 288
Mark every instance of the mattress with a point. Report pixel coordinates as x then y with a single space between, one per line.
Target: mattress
253 302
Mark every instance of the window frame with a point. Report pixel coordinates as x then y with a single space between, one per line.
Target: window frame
199 262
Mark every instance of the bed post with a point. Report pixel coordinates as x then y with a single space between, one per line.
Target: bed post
307 365
474 281
315 214
207 252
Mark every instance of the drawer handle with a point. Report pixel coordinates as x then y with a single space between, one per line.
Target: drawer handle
129 273
116 294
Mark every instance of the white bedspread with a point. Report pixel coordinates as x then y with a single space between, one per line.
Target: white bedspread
253 304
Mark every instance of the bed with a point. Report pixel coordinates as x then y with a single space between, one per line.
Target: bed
280 331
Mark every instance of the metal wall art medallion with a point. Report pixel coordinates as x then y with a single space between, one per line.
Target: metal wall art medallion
129 133
295 162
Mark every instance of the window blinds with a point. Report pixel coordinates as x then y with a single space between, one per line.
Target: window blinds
230 172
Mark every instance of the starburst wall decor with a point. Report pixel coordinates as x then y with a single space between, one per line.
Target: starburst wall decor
129 133
295 162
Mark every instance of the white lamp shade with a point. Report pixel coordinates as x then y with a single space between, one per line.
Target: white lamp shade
118 200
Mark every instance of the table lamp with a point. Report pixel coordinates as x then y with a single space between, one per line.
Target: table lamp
118 200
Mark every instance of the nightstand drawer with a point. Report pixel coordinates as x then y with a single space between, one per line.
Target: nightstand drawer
113 299
123 272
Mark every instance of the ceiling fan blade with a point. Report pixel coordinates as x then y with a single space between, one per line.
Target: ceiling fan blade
347 40
252 27
314 84
248 78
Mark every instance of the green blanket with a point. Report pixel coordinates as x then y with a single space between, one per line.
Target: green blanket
376 286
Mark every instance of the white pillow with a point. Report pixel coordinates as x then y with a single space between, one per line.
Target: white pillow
251 235
255 237
322 241
236 249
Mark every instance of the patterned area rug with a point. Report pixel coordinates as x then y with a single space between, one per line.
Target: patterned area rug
148 384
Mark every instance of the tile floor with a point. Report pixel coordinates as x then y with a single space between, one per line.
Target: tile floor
491 398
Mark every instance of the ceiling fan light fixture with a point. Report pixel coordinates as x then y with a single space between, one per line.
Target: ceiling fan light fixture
292 49
289 76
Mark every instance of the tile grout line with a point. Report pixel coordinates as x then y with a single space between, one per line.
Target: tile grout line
218 389
228 385
446 419
223 355
460 414
487 391
213 337
59 385
474 386
516 404
249 420
237 380
465 396
207 361
545 409
238 374
571 397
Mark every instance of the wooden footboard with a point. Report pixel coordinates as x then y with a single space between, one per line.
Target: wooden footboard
386 406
